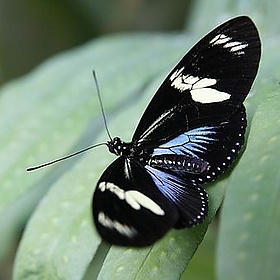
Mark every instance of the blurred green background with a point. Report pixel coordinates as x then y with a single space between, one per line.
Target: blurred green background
32 31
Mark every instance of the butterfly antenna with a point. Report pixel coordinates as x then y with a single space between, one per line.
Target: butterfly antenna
101 104
33 168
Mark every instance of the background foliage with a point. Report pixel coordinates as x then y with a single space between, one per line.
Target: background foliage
54 110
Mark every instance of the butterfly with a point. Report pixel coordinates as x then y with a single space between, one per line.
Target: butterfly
190 133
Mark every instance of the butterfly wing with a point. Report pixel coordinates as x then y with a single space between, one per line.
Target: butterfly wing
208 85
128 208
194 158
209 150
190 199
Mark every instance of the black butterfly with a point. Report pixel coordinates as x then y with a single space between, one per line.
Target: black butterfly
190 133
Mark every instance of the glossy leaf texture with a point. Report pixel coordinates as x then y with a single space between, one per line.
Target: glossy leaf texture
60 240
46 115
249 243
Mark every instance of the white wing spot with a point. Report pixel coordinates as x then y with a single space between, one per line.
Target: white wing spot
220 39
209 95
176 73
134 198
103 186
200 88
205 82
121 228
226 41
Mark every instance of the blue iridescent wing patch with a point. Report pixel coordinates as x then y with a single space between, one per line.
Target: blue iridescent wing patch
190 199
210 149
193 142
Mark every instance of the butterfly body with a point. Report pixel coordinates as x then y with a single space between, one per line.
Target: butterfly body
190 133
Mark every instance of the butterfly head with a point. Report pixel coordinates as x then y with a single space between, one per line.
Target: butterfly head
119 147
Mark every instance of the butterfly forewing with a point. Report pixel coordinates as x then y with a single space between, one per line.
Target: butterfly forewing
208 84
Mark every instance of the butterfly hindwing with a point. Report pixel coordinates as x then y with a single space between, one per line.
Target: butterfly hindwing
128 208
190 199
210 149
180 166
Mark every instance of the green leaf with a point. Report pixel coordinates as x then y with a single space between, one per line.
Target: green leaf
249 240
53 111
59 241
